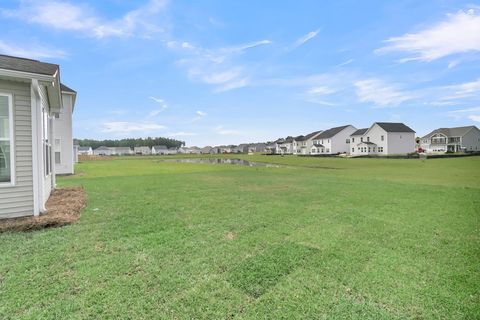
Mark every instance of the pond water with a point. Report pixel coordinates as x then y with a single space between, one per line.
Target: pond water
238 162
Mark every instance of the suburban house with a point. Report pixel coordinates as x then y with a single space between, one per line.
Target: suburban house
382 138
102 151
120 151
241 148
160 149
458 139
257 148
304 143
85 151
172 150
143 150
63 133
286 146
205 150
30 97
332 141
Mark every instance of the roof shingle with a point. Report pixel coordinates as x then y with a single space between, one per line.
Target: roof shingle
27 65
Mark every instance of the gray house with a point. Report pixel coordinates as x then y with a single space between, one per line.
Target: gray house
458 139
30 98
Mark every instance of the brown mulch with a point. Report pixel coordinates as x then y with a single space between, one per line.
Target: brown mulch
63 207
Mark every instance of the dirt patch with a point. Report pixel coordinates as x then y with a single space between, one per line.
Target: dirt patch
93 158
230 235
63 208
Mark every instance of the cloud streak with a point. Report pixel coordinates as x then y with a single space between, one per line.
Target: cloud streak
380 93
304 39
130 127
32 51
459 33
68 16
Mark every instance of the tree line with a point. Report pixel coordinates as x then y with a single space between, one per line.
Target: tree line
150 142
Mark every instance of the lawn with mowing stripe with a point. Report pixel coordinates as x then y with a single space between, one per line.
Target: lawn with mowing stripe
314 238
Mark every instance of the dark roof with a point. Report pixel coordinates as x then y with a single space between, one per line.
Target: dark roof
367 142
318 145
103 148
359 132
311 135
288 139
64 88
330 132
84 148
394 127
27 65
300 138
451 132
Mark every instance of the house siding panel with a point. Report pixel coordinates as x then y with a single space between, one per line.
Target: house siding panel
17 200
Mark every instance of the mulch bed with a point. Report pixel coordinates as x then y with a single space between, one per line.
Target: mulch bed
63 207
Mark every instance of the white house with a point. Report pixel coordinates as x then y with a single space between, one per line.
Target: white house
382 138
120 151
143 150
304 144
63 142
30 97
459 139
102 151
160 149
85 151
286 146
332 141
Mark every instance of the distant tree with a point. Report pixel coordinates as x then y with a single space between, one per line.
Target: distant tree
130 142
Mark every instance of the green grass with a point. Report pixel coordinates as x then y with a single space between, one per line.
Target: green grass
320 238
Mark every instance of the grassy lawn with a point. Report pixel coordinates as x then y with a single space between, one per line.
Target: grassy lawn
318 238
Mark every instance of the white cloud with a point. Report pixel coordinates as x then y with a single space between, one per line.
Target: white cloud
200 116
380 93
162 107
304 39
222 131
181 134
345 63
129 127
459 33
475 118
457 93
322 90
32 51
215 66
69 16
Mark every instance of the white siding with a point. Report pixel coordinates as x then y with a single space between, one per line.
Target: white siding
63 133
401 142
47 179
338 143
17 200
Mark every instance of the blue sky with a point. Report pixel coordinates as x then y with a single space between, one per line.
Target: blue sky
216 72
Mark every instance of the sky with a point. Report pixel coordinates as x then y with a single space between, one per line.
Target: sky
216 72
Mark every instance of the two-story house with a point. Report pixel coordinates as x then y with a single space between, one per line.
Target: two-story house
382 138
332 141
458 139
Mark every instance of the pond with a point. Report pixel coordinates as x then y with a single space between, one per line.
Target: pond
238 162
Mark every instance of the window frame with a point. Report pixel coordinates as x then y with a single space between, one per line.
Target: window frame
11 139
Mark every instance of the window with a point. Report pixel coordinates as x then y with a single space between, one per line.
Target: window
6 140
58 158
361 139
380 149
368 139
353 139
368 149
382 138
353 149
57 115
47 146
347 141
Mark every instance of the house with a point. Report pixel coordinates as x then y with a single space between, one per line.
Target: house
286 146
63 135
120 151
242 148
205 150
303 144
274 147
195 150
458 139
382 138
30 97
102 151
257 148
85 151
172 150
160 149
143 150
332 141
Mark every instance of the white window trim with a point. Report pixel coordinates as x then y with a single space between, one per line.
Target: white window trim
13 170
